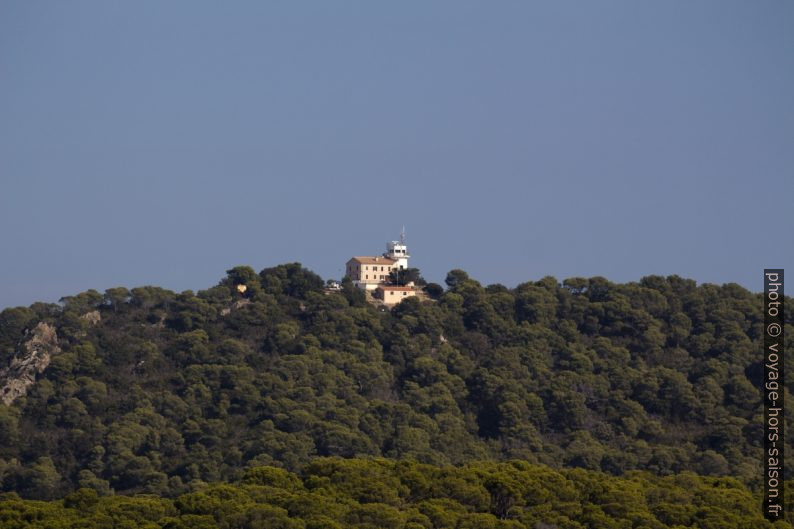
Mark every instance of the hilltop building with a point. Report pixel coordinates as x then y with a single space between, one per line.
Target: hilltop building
371 272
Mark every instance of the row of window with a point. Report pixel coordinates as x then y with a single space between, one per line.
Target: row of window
374 268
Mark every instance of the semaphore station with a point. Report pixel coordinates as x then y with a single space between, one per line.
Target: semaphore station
374 273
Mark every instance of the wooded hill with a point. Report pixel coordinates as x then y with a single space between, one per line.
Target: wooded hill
151 391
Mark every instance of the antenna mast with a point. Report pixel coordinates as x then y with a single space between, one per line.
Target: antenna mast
402 236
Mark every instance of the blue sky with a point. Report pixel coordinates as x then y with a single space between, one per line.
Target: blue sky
165 142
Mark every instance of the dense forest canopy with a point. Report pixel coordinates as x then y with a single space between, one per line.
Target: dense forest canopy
335 493
157 392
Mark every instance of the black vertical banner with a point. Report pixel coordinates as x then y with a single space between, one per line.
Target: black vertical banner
773 394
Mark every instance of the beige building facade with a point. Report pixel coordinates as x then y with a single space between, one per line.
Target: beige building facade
369 272
392 294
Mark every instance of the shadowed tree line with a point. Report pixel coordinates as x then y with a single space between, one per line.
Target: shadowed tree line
334 493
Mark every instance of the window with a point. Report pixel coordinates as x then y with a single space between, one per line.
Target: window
391 293
367 276
405 293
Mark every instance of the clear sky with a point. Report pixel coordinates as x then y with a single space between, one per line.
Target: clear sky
162 143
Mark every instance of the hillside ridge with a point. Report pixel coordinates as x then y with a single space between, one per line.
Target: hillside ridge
157 391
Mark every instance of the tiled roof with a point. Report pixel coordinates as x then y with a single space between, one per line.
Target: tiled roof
395 287
374 260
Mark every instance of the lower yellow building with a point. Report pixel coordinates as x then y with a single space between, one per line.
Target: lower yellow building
393 294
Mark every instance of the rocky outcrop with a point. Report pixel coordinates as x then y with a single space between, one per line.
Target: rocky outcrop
93 317
236 305
32 358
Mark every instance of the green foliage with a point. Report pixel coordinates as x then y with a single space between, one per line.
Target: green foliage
388 494
434 290
403 276
167 392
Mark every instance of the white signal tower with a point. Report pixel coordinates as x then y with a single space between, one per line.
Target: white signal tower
398 251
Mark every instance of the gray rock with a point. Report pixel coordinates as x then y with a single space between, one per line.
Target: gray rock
33 357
